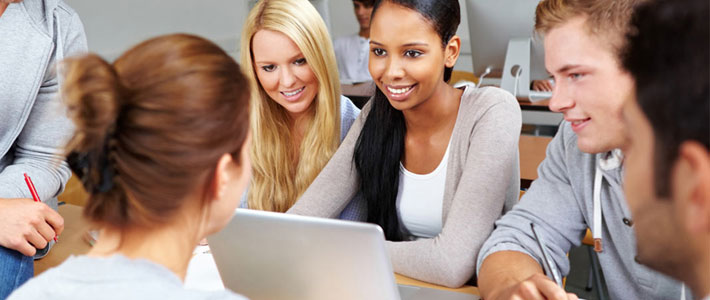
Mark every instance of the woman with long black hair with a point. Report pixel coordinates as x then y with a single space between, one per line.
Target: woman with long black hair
435 166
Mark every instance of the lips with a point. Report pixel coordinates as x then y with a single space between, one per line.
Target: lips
399 92
578 124
293 95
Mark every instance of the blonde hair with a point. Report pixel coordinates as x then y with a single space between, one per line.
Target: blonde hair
607 19
276 181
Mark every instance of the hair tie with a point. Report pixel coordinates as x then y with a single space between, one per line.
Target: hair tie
94 168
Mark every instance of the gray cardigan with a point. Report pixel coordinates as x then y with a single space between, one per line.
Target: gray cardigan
560 204
482 178
34 127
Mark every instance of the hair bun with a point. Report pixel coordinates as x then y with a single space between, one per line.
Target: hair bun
93 94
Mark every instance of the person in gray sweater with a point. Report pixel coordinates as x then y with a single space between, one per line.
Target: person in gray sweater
34 128
580 180
433 165
667 176
162 147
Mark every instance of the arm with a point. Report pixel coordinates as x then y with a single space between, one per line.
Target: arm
510 260
517 274
449 258
38 151
337 183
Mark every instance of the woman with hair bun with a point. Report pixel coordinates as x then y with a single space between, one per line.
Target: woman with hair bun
436 165
162 147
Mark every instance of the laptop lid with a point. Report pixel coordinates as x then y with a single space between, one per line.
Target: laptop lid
266 255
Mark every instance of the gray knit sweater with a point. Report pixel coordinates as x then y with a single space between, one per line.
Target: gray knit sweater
482 178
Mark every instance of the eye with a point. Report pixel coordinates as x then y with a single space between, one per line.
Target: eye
268 68
575 76
412 53
300 61
379 52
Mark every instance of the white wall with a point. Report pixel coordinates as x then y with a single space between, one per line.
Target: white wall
114 26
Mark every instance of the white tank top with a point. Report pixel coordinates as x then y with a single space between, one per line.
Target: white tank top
420 199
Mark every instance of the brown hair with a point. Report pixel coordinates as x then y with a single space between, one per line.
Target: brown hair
608 19
153 125
367 3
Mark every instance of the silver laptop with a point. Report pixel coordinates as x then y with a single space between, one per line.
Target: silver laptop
265 255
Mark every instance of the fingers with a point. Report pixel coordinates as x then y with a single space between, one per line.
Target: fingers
36 239
24 247
546 86
529 291
54 219
46 231
548 288
539 287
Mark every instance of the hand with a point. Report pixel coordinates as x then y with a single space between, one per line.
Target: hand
536 287
26 225
542 85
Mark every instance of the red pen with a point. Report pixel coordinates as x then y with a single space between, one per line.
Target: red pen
33 191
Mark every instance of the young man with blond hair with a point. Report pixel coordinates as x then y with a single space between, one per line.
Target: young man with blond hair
580 181
667 176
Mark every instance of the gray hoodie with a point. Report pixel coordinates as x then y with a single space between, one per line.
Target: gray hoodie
560 204
34 128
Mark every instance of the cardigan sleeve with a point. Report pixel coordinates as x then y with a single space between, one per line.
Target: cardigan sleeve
337 183
449 259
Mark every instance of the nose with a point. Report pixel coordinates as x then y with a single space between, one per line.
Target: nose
561 100
287 78
394 69
361 12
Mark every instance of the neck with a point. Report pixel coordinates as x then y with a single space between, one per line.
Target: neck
170 246
3 7
364 32
437 111
700 281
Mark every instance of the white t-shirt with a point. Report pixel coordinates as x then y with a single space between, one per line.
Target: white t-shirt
352 54
420 199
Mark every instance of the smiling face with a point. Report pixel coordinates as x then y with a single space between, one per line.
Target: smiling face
283 72
590 85
406 56
362 13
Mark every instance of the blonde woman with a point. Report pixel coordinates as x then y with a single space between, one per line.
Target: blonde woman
298 116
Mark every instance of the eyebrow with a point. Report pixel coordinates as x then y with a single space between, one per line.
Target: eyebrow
405 45
292 58
564 68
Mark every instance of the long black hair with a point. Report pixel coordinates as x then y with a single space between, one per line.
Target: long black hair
380 146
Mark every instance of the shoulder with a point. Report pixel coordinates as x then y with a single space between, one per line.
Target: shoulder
348 109
483 99
491 108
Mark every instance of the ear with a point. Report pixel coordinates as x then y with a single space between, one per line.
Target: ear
692 179
452 51
221 178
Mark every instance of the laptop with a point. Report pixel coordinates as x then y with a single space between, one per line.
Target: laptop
266 255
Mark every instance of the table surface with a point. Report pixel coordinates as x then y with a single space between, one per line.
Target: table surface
467 289
532 153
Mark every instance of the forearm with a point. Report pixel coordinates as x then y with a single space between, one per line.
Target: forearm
502 270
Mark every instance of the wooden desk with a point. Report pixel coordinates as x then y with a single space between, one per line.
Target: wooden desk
71 241
543 105
466 289
532 153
